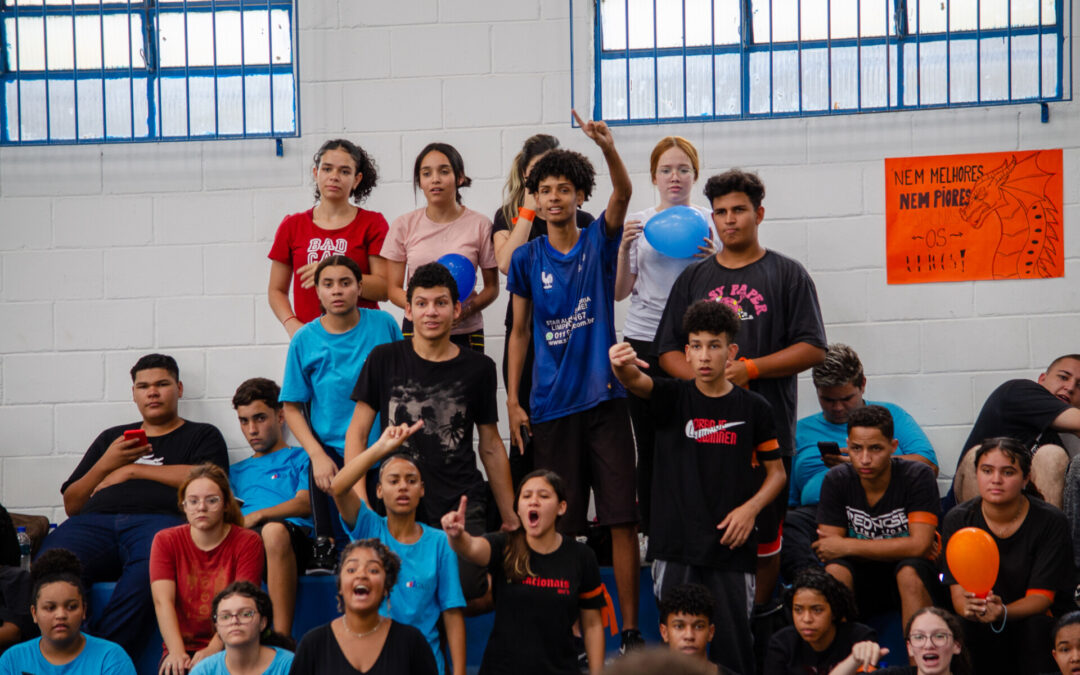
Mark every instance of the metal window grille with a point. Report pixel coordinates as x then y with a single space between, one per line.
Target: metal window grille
656 61
102 71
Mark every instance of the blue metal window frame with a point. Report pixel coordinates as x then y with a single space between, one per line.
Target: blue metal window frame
898 41
150 10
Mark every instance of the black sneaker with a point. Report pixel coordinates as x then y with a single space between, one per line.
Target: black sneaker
631 640
323 559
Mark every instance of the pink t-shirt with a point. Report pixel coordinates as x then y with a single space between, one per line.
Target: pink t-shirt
416 240
199 575
300 241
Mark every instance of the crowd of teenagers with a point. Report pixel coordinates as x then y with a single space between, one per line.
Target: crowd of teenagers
771 539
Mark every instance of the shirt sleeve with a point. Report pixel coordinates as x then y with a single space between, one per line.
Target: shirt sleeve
376 233
393 247
1033 405
92 455
804 323
301 466
497 541
912 439
517 280
368 383
1053 549
766 447
591 595
367 524
249 556
485 257
922 493
281 250
210 447
163 557
449 594
669 335
833 490
295 387
487 409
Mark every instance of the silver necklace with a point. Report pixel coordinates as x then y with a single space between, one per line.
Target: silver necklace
361 635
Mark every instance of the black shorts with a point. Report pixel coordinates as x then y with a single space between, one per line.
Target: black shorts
593 449
770 520
875 582
299 538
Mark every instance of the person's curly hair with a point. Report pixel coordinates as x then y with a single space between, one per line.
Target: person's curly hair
365 166
56 564
390 562
736 180
840 599
709 316
574 166
691 599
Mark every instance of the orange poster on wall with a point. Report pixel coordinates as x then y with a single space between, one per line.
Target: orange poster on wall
995 215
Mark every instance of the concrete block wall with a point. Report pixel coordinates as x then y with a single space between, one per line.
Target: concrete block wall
108 252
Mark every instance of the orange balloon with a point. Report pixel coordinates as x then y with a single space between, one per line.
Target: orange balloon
973 559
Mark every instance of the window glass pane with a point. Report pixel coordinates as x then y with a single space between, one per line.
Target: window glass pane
815 79
699 86
994 13
963 79
844 18
877 17
845 78
669 23
670 89
1050 66
642 93
613 23
230 106
172 106
931 16
640 23
61 97
284 104
815 19
613 88
932 81
875 81
698 29
963 14
728 92
1025 66
785 81
994 69
726 18
126 107
759 82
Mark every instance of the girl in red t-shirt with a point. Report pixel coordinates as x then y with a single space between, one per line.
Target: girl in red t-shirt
190 563
334 226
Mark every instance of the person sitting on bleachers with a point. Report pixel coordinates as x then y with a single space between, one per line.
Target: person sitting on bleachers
841 385
272 487
124 491
431 592
1008 630
877 520
244 619
1034 413
190 563
59 607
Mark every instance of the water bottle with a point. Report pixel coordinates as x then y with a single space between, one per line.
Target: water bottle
24 548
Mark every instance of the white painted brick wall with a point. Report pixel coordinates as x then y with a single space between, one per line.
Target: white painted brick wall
109 252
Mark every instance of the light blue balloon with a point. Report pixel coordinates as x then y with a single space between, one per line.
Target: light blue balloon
461 268
677 231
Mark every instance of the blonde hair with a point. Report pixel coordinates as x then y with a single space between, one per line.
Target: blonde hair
669 142
514 190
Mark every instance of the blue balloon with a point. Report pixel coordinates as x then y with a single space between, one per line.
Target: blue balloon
677 231
461 268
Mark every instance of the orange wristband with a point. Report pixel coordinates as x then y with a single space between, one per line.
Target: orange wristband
527 214
752 371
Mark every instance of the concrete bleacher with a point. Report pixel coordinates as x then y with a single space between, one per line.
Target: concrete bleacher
316 604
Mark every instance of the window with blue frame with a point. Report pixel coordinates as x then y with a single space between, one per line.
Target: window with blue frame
685 60
94 71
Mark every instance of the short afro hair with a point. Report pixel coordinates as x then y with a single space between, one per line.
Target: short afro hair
691 599
874 417
736 180
432 275
840 599
709 316
574 166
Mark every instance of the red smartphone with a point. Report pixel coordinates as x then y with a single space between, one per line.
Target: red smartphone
136 433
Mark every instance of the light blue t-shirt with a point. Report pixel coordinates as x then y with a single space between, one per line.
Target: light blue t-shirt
98 657
215 664
264 482
428 583
807 468
573 324
322 368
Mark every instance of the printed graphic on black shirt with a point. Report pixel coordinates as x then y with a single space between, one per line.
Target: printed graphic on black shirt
713 431
889 525
442 406
745 301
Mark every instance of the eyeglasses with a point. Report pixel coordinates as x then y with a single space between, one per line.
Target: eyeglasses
211 501
683 171
936 639
243 616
